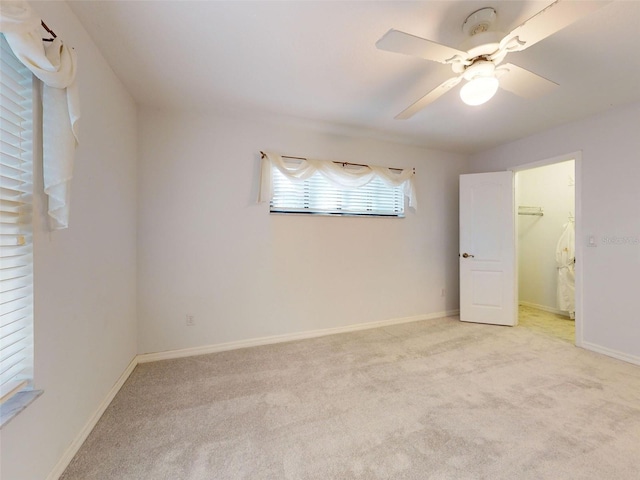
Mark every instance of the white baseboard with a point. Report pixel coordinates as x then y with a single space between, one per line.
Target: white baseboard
187 352
611 353
545 308
68 455
288 337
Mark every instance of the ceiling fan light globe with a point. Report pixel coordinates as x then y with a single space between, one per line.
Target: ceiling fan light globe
479 90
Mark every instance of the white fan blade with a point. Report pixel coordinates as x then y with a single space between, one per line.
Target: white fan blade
552 19
522 82
407 44
430 97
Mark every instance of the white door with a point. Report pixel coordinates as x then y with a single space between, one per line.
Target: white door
487 249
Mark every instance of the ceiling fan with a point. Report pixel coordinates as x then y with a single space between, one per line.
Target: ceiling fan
479 58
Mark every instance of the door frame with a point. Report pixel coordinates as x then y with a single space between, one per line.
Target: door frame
577 157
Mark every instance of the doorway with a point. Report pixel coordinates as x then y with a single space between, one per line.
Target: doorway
545 198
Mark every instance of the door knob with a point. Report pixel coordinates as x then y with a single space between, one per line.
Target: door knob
467 255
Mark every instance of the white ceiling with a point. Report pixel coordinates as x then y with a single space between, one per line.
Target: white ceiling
317 61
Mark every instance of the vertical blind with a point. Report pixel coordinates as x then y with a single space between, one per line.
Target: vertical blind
16 254
318 195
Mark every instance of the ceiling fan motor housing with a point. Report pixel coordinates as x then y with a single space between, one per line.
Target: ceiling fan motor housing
479 68
482 41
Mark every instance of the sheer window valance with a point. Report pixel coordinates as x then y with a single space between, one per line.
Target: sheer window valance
55 65
344 178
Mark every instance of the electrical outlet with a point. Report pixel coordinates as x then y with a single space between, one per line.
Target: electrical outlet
443 292
191 320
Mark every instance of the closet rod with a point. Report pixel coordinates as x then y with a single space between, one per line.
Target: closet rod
344 164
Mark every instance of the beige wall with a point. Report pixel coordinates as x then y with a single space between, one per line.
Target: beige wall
207 249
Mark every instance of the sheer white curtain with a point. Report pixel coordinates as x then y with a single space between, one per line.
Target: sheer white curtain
346 178
55 65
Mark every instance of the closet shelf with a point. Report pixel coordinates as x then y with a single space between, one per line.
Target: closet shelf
536 211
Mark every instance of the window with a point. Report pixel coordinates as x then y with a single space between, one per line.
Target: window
16 258
317 195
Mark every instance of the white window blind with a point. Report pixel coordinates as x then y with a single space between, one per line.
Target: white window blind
16 193
317 195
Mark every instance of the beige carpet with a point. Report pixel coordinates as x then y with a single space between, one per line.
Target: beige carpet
435 399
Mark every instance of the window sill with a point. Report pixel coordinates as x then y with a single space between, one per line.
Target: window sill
337 214
17 404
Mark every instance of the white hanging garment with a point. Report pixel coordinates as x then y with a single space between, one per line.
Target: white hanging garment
565 259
